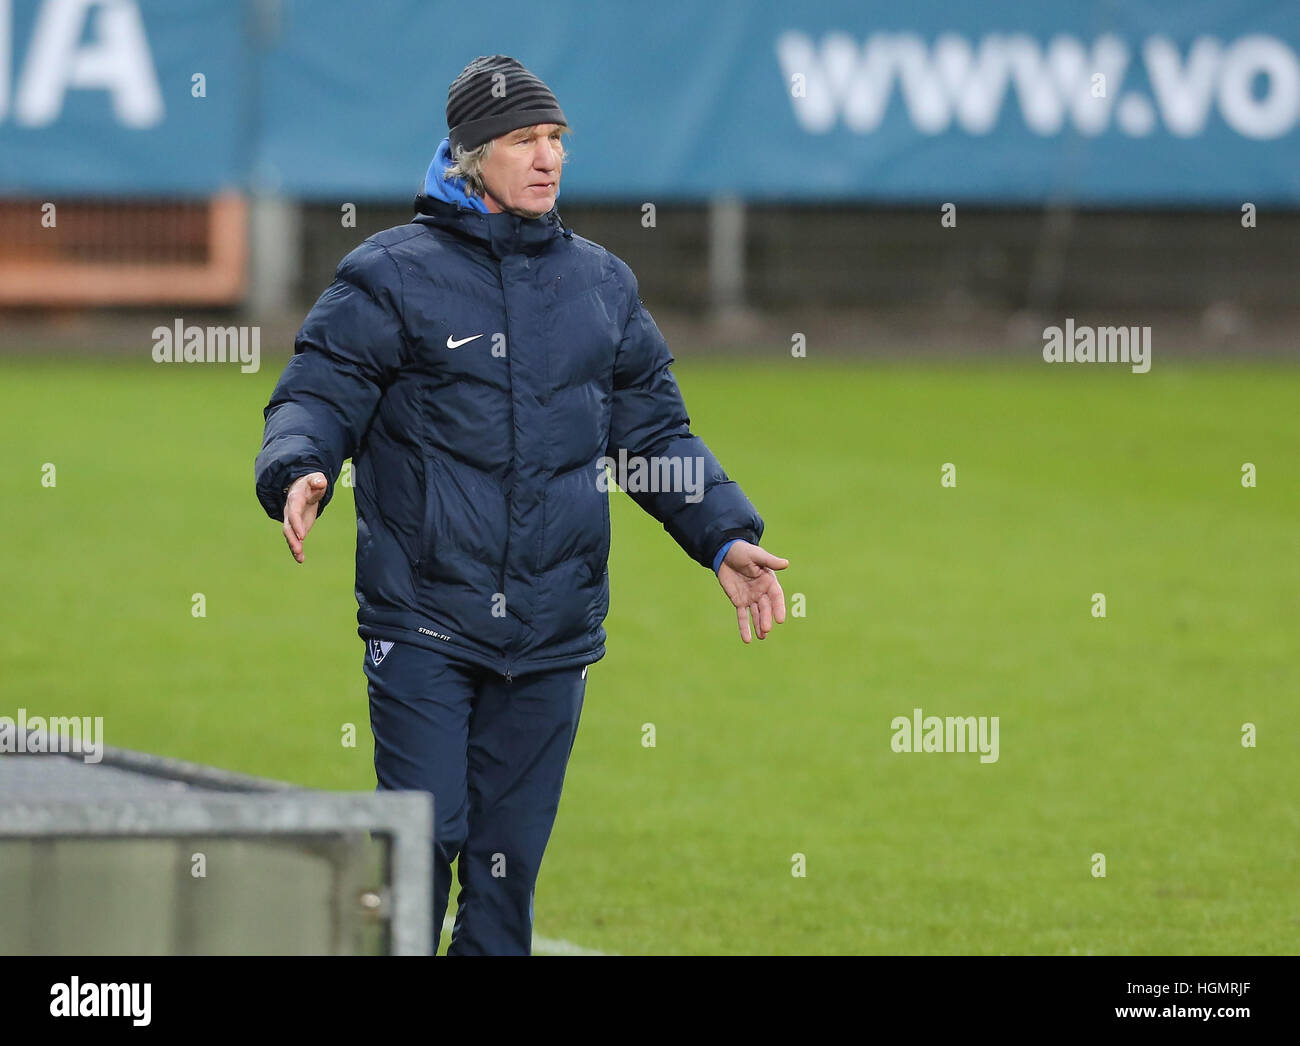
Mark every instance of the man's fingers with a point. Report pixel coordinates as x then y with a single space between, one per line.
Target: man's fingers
765 559
778 601
765 608
305 491
295 544
293 518
742 616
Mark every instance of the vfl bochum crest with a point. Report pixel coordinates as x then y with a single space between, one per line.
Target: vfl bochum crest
379 650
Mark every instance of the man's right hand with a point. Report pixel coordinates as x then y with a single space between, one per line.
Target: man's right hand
300 510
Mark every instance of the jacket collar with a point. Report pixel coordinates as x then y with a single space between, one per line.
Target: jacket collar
502 234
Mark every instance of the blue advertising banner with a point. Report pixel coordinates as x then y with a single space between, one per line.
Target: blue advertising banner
1177 102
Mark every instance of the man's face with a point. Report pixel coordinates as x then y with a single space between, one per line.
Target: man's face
522 172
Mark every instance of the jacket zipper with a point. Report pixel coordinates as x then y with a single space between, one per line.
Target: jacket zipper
508 671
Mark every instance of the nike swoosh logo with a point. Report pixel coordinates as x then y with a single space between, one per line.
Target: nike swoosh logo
453 344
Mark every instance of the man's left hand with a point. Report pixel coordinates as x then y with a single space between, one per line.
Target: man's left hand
748 577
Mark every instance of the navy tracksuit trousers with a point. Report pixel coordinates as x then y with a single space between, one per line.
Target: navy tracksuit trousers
493 754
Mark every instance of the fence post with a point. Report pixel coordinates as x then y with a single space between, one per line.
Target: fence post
726 256
275 256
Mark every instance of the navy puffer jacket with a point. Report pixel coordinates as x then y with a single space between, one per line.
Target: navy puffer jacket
476 368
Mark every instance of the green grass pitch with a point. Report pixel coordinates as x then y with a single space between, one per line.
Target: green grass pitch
1120 736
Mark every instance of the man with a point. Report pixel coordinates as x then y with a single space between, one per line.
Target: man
479 365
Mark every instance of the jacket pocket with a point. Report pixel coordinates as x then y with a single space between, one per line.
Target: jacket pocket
425 551
541 534
601 564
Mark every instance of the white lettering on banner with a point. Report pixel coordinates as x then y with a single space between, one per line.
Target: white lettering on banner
956 84
6 53
115 59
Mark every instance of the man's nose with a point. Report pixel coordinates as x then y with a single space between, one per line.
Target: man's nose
544 159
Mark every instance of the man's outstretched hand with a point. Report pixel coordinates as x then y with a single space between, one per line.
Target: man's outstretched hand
748 577
300 509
